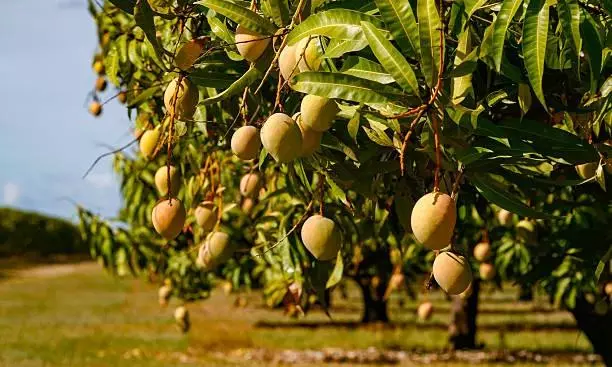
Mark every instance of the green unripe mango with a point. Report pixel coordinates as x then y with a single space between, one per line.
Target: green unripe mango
169 218
452 272
318 113
251 45
433 220
322 237
281 137
246 143
187 97
161 180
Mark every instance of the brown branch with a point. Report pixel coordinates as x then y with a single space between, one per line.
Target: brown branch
426 106
294 19
407 139
91 167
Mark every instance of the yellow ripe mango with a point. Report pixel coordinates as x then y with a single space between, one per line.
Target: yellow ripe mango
287 62
206 215
311 140
452 272
425 310
169 218
482 251
504 217
322 237
148 142
188 54
187 96
487 271
246 143
433 220
100 84
95 108
318 113
216 250
308 53
281 137
250 184
161 180
251 45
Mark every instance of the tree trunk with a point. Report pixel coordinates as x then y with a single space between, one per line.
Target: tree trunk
462 328
374 304
598 328
526 293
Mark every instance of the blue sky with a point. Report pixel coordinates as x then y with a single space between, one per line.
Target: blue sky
47 137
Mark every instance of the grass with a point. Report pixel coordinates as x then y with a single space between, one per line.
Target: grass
87 318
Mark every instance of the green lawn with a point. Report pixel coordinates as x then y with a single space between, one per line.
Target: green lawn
54 317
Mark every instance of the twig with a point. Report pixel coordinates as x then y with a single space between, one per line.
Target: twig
288 233
407 139
296 15
426 106
111 153
436 127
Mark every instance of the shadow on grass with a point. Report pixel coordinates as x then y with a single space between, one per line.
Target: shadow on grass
511 326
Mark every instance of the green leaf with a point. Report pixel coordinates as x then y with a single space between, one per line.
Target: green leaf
125 5
535 33
601 266
209 79
472 5
237 87
524 98
429 35
462 86
353 125
498 194
243 16
337 193
339 24
145 95
143 15
336 275
337 48
111 64
500 29
400 20
569 17
366 69
279 10
343 86
220 30
390 58
592 48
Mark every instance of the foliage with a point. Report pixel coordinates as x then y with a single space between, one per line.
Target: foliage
430 96
29 233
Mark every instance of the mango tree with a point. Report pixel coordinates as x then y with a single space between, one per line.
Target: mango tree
289 143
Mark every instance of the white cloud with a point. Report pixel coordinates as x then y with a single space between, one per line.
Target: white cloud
101 180
11 193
